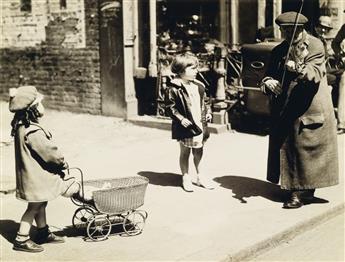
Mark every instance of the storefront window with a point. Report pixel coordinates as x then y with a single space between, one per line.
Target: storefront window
143 33
187 25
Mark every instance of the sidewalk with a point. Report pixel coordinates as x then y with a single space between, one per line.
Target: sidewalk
240 218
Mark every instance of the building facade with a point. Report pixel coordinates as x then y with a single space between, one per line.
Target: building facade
102 56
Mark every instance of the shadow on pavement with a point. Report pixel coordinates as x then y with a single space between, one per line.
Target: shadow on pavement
8 229
70 231
162 179
245 187
315 200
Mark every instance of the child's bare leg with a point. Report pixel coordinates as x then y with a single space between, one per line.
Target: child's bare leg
184 165
197 156
202 180
23 241
40 218
26 221
184 159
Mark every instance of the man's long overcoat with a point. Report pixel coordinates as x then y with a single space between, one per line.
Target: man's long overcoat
303 141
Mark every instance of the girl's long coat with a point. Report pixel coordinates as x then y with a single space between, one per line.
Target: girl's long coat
38 165
303 141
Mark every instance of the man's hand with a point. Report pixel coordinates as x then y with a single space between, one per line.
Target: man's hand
274 86
185 122
291 66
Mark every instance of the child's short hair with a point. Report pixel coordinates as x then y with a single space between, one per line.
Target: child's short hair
182 61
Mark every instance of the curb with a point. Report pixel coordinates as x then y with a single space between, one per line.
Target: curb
265 245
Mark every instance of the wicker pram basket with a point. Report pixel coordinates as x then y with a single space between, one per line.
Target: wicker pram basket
125 194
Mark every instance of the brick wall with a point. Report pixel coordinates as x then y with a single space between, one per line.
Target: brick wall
65 65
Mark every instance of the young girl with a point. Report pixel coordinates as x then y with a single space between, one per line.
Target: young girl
185 104
39 165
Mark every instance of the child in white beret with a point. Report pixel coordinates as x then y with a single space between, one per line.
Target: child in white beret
39 168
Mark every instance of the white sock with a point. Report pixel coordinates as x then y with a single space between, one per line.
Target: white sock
21 238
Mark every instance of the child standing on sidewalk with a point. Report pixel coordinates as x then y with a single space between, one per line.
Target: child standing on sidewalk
39 166
185 104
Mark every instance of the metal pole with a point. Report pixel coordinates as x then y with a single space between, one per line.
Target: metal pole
135 34
220 92
128 53
234 23
153 39
277 10
261 13
224 20
219 107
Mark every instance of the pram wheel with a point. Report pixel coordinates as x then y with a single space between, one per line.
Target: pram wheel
143 212
134 223
98 228
81 217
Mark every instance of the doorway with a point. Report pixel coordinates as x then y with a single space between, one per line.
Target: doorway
112 58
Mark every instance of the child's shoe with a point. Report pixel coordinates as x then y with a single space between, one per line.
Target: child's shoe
187 183
45 236
27 246
205 182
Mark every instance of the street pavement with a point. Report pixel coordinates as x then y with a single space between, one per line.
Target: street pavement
303 246
239 219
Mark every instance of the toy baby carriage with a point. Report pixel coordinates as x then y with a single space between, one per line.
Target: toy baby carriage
115 204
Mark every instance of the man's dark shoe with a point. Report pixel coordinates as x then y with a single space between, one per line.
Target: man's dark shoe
27 246
293 202
45 236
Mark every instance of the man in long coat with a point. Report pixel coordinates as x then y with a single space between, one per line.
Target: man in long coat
303 140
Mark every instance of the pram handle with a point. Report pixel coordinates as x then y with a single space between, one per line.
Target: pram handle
81 178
